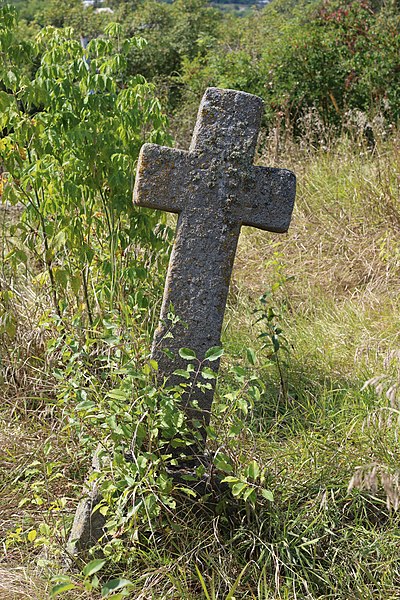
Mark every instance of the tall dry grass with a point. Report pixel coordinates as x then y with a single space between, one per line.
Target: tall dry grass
322 537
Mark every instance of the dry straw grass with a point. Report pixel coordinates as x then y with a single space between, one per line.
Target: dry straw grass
371 477
18 583
383 421
342 252
343 241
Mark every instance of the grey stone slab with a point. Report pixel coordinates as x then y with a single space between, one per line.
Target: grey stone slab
215 189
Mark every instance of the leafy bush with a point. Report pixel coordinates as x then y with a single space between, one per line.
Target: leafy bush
72 132
332 56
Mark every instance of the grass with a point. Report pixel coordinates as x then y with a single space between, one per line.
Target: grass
321 538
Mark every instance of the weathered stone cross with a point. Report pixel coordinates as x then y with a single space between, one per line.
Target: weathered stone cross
215 189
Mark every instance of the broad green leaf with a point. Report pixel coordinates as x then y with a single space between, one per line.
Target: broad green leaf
113 585
6 100
230 479
238 488
239 371
75 282
146 369
214 353
188 491
275 342
32 535
236 428
21 255
208 373
187 354
118 394
182 373
93 566
242 405
251 356
253 470
10 326
223 465
267 495
250 495
61 588
61 276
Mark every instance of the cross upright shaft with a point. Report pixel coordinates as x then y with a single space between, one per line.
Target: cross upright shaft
215 189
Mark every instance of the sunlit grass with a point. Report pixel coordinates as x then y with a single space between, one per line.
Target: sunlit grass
335 280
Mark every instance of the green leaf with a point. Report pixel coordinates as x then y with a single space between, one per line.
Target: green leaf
250 495
118 394
253 470
239 371
208 373
21 255
6 100
236 428
187 354
61 276
182 373
32 535
203 583
223 464
188 491
114 584
93 566
275 342
232 591
251 356
61 587
214 353
267 495
238 488
146 369
10 326
75 282
229 479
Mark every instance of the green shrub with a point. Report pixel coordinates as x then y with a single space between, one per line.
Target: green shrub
72 132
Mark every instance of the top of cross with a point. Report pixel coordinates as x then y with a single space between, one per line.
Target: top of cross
227 125
217 173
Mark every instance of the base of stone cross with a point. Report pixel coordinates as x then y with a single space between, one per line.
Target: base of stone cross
208 483
88 526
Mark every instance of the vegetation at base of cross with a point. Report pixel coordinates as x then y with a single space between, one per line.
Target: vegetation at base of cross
305 425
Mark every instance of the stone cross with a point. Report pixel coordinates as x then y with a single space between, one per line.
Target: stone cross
215 189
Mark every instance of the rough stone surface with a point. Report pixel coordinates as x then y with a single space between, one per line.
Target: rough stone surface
215 189
87 527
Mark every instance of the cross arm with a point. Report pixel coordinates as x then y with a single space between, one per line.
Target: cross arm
269 203
161 178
